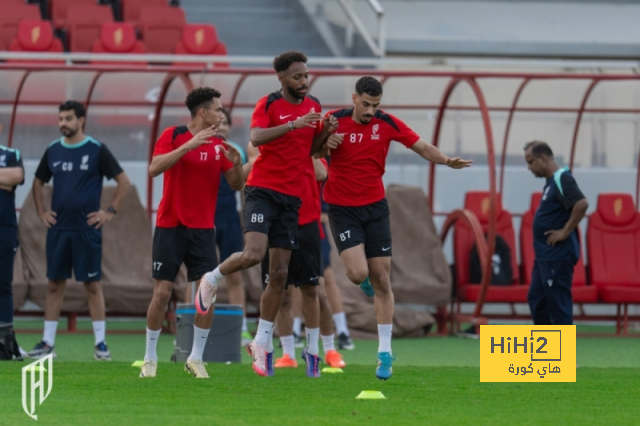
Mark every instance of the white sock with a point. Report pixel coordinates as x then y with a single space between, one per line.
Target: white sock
200 336
384 337
287 346
312 340
270 341
244 325
214 277
99 330
327 343
152 343
50 328
264 332
297 326
340 320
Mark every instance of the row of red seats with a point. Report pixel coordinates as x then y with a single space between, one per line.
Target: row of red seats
163 29
115 37
613 252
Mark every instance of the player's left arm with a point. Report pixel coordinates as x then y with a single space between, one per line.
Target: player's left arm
13 174
572 199
329 125
234 175
110 168
433 154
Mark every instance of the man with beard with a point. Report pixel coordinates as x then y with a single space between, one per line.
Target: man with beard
286 128
78 163
358 209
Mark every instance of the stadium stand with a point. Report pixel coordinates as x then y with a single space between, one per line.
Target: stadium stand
60 10
117 37
131 9
478 203
84 26
10 18
161 28
35 36
200 39
582 293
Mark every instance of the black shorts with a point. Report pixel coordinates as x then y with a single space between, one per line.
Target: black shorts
368 225
305 266
77 250
272 213
173 246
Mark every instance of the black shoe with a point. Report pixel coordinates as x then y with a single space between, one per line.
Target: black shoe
42 349
469 333
345 342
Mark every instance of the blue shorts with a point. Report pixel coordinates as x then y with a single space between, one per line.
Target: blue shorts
229 236
80 251
325 246
8 247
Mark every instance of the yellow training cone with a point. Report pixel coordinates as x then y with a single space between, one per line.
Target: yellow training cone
137 364
332 370
370 395
38 368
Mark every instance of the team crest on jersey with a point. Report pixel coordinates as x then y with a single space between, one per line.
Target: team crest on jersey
85 163
3 160
217 148
374 132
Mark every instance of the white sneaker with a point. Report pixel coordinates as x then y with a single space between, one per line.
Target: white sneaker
259 355
197 368
149 369
205 296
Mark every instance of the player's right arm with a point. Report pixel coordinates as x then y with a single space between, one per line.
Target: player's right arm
163 160
43 175
262 133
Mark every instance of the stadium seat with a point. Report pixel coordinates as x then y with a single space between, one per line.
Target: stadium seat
117 37
161 28
613 249
35 36
131 8
60 10
582 293
478 203
11 16
84 26
200 39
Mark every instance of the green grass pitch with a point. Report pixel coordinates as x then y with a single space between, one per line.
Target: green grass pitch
435 382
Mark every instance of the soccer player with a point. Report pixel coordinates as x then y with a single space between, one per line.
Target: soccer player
555 240
11 175
192 158
358 210
285 127
229 230
78 163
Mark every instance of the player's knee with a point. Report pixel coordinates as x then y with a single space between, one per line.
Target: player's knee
357 275
309 291
92 288
278 276
162 294
381 285
251 257
55 288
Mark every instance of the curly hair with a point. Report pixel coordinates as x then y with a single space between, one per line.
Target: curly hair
283 61
200 98
74 106
368 85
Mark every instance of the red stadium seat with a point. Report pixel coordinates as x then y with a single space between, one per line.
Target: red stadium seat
60 10
478 203
200 39
613 247
118 37
161 28
10 16
35 36
131 8
582 293
85 24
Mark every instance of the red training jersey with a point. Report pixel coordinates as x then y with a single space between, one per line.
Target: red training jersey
191 186
357 165
310 208
282 161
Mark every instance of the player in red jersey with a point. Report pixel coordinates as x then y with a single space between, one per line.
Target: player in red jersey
185 230
358 210
286 127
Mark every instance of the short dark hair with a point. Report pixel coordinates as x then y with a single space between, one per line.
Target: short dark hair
283 61
539 148
368 85
227 115
200 97
75 106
